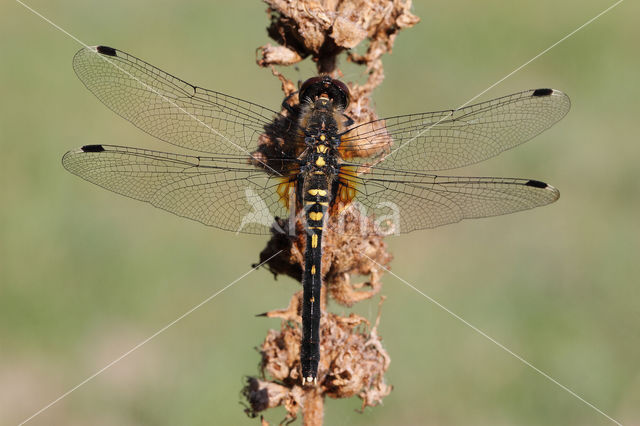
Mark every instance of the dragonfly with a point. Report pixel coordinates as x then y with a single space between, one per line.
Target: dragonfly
309 160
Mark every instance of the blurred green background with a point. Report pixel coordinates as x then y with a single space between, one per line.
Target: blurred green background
85 274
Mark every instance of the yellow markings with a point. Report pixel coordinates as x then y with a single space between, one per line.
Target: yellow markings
347 193
324 204
320 162
320 192
315 227
318 172
313 299
322 148
309 202
313 270
285 190
322 137
314 240
315 216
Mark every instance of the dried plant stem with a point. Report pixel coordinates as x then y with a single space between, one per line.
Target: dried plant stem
353 360
312 407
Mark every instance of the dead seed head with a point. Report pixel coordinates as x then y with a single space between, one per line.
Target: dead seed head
353 361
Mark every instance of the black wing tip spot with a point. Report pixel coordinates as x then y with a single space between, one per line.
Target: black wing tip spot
542 92
92 148
537 184
106 50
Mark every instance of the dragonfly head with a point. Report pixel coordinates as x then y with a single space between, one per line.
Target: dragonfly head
325 87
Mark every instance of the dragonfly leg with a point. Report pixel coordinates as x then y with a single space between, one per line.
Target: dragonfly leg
285 103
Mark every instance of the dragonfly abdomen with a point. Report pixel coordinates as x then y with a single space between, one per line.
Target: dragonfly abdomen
316 199
311 313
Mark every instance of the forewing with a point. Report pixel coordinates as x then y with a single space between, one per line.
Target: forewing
403 202
169 108
455 138
223 192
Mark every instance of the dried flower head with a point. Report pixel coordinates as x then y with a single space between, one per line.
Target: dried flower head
353 360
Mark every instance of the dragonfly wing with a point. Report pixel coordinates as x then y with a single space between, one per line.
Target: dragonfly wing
455 138
223 192
409 201
170 108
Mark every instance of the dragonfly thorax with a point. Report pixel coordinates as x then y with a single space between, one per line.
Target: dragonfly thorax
321 117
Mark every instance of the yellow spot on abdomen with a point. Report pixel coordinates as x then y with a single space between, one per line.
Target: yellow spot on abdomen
313 270
313 299
314 240
320 162
320 192
315 215
321 149
322 137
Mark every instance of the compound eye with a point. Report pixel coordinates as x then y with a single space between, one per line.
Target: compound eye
311 83
344 91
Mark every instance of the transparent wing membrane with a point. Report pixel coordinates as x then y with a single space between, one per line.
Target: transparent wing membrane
230 195
412 201
169 108
385 162
212 191
455 138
